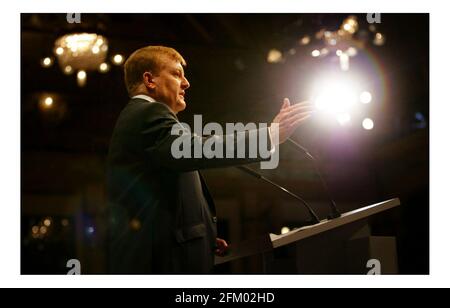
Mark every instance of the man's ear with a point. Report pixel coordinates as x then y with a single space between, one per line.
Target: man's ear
148 80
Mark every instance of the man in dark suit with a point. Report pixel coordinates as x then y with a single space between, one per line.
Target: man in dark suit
162 215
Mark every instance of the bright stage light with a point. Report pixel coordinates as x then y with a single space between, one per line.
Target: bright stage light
350 24
59 51
35 229
274 56
81 75
365 97
343 118
379 39
104 67
324 51
47 222
95 50
315 53
68 70
352 51
344 61
367 124
335 96
47 62
285 230
118 59
48 101
81 78
338 98
43 229
305 40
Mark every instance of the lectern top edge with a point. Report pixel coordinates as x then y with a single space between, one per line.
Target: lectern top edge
325 225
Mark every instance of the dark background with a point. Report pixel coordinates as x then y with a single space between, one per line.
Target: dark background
63 152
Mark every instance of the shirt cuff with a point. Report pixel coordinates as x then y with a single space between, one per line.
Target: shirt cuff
271 132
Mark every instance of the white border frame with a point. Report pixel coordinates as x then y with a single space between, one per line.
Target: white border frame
10 136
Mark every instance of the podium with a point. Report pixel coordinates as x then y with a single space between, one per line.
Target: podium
343 245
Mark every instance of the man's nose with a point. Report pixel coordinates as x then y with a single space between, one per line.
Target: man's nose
185 84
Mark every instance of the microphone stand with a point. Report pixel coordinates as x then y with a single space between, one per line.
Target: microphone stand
314 217
334 211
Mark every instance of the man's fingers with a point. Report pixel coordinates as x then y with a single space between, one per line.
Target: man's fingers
291 116
297 107
288 114
303 103
288 111
297 122
287 122
286 103
292 121
296 116
307 102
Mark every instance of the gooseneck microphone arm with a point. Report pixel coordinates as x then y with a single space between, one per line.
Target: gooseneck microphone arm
334 211
315 218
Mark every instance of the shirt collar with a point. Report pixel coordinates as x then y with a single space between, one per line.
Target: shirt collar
145 97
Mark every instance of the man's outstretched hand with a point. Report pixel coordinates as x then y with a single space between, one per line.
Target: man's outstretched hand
290 117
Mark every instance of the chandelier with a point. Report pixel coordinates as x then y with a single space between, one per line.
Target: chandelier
81 52
343 43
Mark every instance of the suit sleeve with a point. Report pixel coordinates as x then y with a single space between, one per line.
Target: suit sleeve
158 138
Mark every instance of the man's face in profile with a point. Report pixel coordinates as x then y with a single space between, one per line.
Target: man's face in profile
171 85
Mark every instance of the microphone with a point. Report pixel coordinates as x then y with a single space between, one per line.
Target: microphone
334 211
314 218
